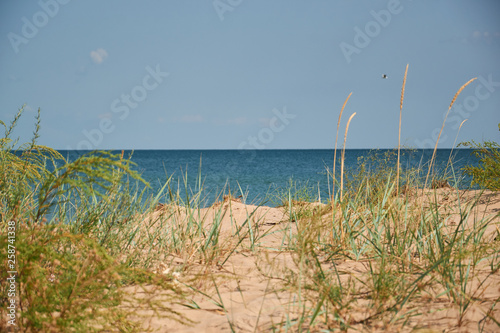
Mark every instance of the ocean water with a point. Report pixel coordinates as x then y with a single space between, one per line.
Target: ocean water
261 175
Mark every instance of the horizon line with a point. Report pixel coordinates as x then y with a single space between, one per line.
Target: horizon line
265 149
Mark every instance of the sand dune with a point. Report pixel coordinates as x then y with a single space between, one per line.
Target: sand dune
251 290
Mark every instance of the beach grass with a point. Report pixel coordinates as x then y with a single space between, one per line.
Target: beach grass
97 251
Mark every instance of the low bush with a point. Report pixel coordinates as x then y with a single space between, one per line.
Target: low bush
68 274
487 173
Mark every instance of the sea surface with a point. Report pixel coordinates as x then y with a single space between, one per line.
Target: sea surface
265 176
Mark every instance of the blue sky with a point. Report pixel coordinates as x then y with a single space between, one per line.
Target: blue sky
229 74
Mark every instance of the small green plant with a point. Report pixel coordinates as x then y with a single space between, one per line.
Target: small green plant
296 199
487 173
374 171
70 276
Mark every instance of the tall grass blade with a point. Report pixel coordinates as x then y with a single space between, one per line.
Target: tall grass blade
399 132
442 126
335 149
343 157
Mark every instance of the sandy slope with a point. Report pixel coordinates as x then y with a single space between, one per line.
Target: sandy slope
250 284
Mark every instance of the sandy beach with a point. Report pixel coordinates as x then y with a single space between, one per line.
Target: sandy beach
267 287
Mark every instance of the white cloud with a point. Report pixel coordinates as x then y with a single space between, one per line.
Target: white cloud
98 55
265 122
485 36
191 119
238 121
476 37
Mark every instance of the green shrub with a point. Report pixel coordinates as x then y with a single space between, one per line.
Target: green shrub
374 177
70 276
487 174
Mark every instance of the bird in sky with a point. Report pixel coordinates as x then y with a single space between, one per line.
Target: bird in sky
384 76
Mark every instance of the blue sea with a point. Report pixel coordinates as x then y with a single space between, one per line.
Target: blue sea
261 175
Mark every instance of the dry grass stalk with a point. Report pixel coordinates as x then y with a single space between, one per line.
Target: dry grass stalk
342 169
335 150
399 133
343 157
459 91
442 126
